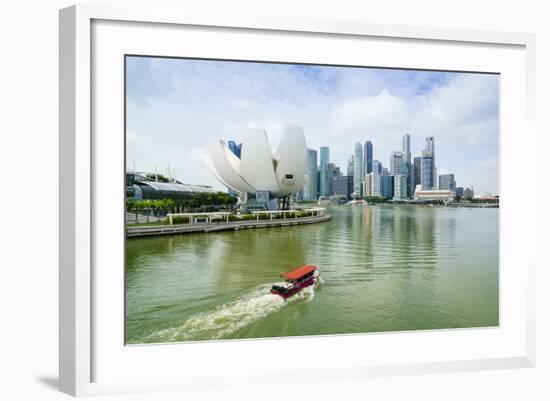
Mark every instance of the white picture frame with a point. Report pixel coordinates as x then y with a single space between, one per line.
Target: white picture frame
79 317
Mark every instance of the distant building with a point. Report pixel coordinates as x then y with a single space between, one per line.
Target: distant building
342 186
385 171
323 169
427 171
416 172
331 172
434 195
235 148
367 189
460 192
400 187
430 144
310 188
367 153
376 184
350 166
405 170
447 181
318 182
376 167
396 159
468 193
386 186
407 160
358 169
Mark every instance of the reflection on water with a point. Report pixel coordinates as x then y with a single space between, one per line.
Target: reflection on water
384 268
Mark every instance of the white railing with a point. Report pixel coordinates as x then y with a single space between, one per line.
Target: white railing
315 211
209 216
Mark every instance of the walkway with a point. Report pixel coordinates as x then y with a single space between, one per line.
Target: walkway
144 231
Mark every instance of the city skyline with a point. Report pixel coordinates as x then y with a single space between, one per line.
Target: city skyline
176 106
407 174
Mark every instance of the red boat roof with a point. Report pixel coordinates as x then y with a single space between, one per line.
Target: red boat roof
299 272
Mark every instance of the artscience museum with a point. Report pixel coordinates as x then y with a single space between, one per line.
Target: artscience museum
261 177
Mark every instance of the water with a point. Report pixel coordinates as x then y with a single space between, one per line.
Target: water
384 268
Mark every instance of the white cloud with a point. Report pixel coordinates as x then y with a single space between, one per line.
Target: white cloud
369 113
133 137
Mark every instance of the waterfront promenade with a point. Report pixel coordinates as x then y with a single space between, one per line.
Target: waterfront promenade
147 231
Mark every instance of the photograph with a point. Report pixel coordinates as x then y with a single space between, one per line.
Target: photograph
281 199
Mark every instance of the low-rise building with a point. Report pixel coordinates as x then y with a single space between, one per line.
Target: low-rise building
376 184
434 195
343 186
447 181
386 182
367 189
400 182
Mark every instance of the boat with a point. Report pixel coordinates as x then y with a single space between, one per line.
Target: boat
296 280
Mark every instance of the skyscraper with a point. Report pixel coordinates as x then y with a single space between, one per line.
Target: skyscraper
331 172
376 184
404 170
318 181
235 148
430 146
395 163
428 172
406 148
376 167
323 169
358 169
400 187
310 188
367 164
416 173
367 189
387 186
350 166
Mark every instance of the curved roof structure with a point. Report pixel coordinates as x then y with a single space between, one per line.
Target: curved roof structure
176 187
258 169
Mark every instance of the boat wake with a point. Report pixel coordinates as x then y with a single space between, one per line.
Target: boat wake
227 318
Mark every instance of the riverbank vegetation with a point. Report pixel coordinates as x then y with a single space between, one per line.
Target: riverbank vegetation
202 202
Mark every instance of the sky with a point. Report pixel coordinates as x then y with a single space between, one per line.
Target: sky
176 107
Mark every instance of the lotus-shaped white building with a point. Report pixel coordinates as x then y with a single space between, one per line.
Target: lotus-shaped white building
258 169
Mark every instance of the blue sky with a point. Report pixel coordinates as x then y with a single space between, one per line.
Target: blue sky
176 107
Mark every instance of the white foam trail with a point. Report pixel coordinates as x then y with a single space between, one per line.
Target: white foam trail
230 317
